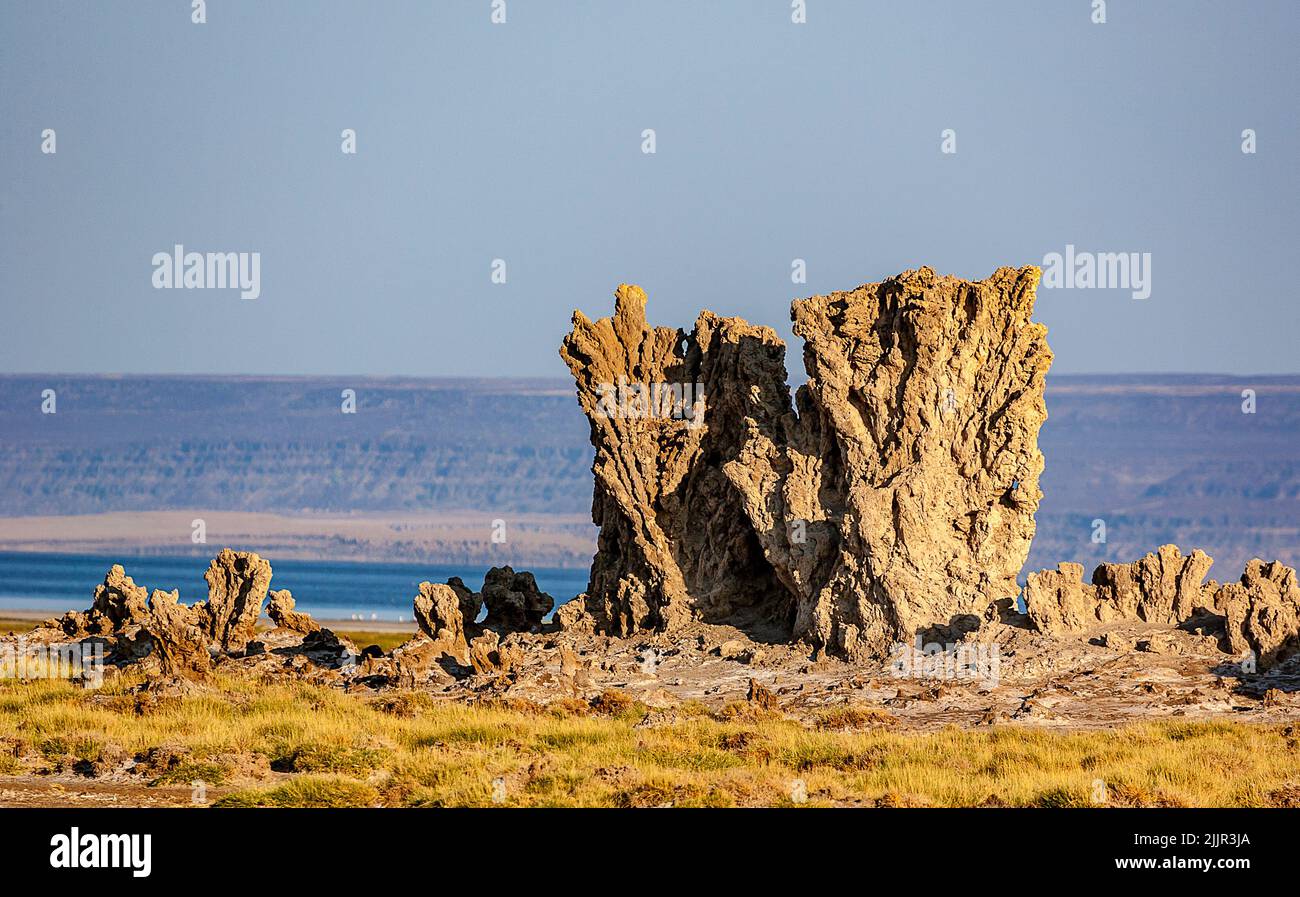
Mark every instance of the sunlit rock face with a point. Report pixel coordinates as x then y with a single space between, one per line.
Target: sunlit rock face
895 493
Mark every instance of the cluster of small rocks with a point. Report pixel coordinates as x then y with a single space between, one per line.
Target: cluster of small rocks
1258 615
179 643
175 643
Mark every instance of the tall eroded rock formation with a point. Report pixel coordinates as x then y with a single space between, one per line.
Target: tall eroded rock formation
899 495
673 541
923 405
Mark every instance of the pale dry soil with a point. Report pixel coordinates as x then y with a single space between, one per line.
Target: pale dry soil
538 539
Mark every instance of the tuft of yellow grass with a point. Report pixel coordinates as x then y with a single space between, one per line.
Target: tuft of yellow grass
17 626
317 746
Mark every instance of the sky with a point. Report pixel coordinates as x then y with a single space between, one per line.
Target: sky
524 141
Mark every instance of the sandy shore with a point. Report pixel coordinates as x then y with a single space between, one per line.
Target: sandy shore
454 537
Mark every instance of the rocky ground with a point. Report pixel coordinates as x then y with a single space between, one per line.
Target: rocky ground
296 714
1109 681
1112 675
982 673
777 546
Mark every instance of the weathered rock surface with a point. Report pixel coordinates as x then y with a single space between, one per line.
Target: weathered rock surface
490 655
280 608
237 586
438 614
900 495
674 539
179 641
118 604
928 392
120 601
762 697
417 662
445 613
470 602
514 602
1060 601
1162 587
573 616
1262 612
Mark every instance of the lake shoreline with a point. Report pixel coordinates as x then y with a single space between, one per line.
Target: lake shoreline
9 614
347 593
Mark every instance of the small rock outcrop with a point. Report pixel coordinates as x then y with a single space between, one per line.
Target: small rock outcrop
1059 601
1262 612
120 601
118 605
491 656
1162 587
573 616
180 645
280 608
895 492
438 614
761 696
514 602
470 602
237 586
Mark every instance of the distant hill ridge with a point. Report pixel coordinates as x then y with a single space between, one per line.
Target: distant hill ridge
1159 458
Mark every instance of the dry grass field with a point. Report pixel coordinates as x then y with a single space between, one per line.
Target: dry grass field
297 744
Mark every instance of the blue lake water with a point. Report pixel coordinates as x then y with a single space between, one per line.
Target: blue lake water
324 589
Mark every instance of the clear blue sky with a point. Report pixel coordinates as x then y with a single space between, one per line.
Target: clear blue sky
522 141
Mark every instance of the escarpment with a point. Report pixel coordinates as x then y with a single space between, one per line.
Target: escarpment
896 492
